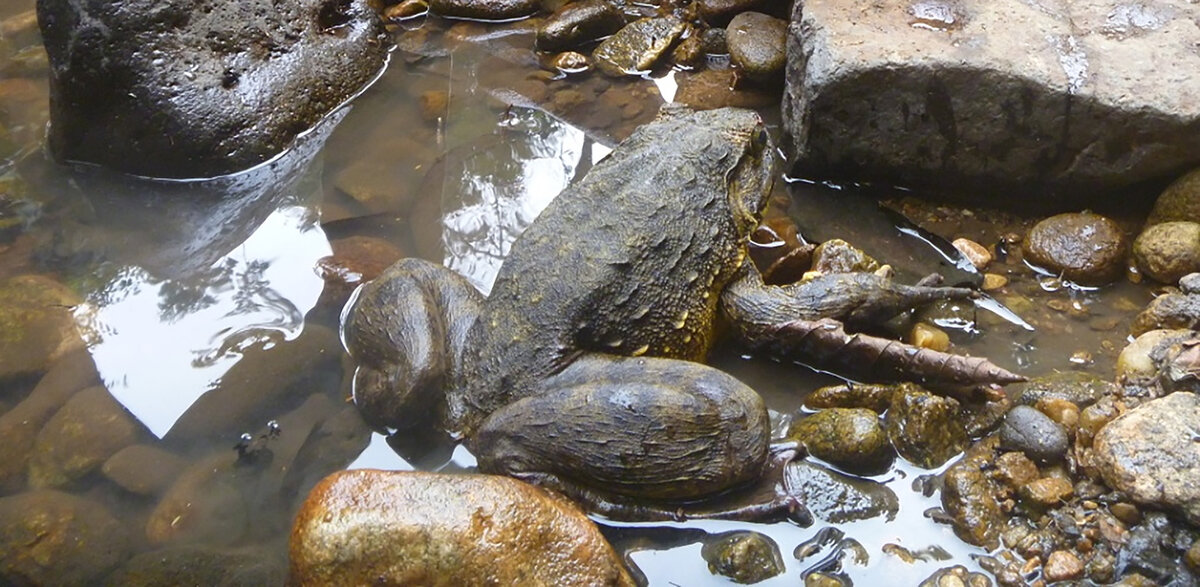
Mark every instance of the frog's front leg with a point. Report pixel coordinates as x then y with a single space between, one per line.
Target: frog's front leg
639 438
798 321
407 329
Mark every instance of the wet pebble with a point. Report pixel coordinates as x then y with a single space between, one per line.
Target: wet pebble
1047 492
1077 387
570 62
1171 310
1083 247
578 23
1027 430
839 256
144 469
976 253
368 526
1168 251
971 498
637 46
1151 453
1061 565
1179 202
756 45
849 438
484 9
719 12
1016 470
929 337
956 576
745 557
924 428
838 498
52 538
875 397
89 429
406 10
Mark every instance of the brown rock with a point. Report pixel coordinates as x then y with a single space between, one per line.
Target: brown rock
1015 469
925 429
976 253
1168 251
53 538
1083 247
89 429
36 325
143 469
368 526
1047 492
1062 566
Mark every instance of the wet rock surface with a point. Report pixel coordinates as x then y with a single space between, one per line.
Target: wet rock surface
367 526
484 9
838 498
1172 310
743 557
577 23
1027 430
36 327
89 429
999 96
1168 251
637 46
229 85
1151 454
849 438
924 428
1082 247
756 45
143 469
51 538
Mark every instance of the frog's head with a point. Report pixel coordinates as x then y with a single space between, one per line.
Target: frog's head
735 142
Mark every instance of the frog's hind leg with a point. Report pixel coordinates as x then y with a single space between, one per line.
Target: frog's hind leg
406 329
640 438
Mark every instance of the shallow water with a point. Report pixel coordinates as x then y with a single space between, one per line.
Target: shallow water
206 318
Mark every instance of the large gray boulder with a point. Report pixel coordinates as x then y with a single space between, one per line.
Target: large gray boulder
198 88
1057 96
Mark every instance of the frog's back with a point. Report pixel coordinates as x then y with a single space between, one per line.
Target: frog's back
629 261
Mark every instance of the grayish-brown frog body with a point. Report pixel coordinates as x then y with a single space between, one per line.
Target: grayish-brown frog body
581 371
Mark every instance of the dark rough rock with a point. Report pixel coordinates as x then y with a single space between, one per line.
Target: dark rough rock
1077 387
1150 453
19 426
198 565
89 429
637 46
577 23
143 469
368 526
744 557
1141 361
925 429
197 88
484 9
1152 550
1168 251
719 12
1168 311
51 538
1027 430
756 45
1006 97
1179 202
1083 247
969 495
838 498
849 438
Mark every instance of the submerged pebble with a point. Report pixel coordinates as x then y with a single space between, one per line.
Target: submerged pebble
49 537
89 429
144 469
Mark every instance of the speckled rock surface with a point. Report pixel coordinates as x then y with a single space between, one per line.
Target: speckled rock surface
397 528
1007 97
1150 454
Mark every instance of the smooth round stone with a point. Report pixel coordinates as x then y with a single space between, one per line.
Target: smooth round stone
577 23
850 438
1085 248
1033 433
1168 251
756 45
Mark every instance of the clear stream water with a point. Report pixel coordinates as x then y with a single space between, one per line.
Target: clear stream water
452 153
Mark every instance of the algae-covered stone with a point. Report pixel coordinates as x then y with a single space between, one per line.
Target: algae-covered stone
875 397
1168 251
1179 202
368 526
52 538
850 438
637 46
925 429
36 324
972 498
89 429
744 557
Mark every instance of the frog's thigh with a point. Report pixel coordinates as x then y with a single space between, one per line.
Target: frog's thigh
649 428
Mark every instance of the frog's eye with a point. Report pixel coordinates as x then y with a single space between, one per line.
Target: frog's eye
761 140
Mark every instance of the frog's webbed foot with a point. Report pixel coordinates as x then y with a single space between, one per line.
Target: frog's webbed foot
406 330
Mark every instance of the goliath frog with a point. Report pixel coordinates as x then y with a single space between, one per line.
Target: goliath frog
582 369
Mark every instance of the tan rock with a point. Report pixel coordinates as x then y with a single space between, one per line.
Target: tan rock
976 253
1062 566
410 528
